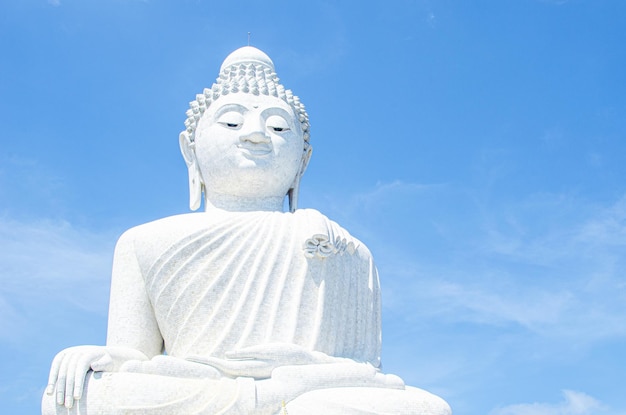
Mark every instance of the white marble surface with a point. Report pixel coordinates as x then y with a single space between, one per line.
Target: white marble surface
259 310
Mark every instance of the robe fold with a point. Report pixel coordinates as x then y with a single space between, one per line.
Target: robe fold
204 284
222 281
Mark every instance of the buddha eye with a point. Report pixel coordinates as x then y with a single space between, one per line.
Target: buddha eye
231 119
277 124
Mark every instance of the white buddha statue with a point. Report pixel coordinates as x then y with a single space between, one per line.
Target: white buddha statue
243 308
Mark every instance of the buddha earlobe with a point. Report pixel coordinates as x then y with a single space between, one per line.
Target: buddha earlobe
195 189
306 157
294 191
187 148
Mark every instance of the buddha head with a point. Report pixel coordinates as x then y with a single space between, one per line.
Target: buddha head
246 136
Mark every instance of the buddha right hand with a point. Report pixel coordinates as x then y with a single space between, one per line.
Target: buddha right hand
69 368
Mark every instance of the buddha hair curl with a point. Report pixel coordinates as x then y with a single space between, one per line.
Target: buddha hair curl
249 78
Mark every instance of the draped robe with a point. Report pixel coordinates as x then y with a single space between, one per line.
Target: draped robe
222 281
203 284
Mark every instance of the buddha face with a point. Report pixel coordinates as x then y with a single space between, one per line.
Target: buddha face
249 146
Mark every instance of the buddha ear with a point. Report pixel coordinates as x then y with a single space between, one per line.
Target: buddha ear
188 149
306 157
294 191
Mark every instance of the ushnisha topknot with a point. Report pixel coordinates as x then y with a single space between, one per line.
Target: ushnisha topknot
251 71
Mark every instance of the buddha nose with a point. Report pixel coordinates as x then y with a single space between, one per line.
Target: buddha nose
254 132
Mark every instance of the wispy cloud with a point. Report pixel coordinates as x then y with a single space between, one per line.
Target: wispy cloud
431 19
10 320
54 291
50 262
555 279
608 228
26 183
574 403
55 3
362 209
549 264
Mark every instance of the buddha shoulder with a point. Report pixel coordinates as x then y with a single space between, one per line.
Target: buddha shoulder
318 235
155 235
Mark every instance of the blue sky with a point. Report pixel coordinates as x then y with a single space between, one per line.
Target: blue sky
478 148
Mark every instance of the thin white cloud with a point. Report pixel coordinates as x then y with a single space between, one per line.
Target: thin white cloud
55 3
48 263
27 184
384 191
607 229
432 20
574 403
549 264
10 320
369 206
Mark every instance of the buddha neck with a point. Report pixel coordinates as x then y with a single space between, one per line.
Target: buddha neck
242 204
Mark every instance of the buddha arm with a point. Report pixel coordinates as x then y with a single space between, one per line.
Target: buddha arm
289 382
132 322
133 333
282 372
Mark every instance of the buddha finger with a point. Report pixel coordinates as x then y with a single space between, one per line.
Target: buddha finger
279 354
61 393
249 367
184 368
210 361
80 372
70 381
270 351
69 401
135 366
62 376
264 352
150 367
257 369
103 363
54 372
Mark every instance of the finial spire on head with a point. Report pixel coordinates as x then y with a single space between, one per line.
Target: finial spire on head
247 54
248 38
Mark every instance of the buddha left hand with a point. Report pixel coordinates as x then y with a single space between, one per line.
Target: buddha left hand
259 361
70 366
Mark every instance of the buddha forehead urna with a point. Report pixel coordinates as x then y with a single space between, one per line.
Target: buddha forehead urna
242 308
